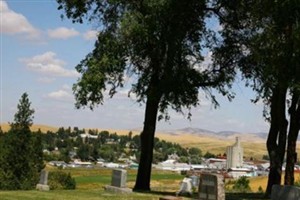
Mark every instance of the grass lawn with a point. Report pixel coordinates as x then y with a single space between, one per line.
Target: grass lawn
91 182
78 194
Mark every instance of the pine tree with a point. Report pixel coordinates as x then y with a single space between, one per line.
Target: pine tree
24 116
21 158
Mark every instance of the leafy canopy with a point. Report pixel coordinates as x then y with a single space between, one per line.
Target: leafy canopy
159 43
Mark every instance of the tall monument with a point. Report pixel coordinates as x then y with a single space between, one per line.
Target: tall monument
235 155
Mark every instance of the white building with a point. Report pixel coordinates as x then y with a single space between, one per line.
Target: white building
235 155
173 165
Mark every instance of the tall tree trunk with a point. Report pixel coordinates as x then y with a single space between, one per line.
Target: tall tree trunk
147 141
276 141
291 158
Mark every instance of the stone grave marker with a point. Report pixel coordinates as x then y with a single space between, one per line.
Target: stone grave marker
118 182
43 183
211 187
119 178
287 192
186 186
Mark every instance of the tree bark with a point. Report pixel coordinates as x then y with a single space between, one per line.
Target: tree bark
276 141
291 158
147 140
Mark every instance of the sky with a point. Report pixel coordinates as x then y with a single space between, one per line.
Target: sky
39 52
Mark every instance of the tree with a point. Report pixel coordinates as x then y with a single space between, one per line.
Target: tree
195 151
21 153
23 119
83 152
161 43
1 132
262 39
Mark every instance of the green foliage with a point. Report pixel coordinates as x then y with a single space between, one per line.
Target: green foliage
195 151
297 182
266 157
260 190
83 152
241 185
1 132
61 180
209 155
108 146
183 159
261 38
24 116
161 42
109 152
21 156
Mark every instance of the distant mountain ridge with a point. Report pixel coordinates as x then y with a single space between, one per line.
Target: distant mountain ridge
228 135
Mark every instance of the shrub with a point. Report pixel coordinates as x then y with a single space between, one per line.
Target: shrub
242 185
260 190
61 180
297 182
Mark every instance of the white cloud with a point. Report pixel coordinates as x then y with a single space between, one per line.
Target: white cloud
90 35
15 23
60 95
62 33
63 94
66 87
47 64
46 80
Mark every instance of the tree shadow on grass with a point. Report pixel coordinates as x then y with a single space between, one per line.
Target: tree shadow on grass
245 196
165 193
229 196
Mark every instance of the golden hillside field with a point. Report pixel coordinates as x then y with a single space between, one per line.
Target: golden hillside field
34 127
252 147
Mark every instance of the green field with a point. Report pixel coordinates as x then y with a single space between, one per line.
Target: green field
91 182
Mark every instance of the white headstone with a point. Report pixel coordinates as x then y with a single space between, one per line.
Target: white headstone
186 186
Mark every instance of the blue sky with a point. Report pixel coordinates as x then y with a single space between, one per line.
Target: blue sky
39 51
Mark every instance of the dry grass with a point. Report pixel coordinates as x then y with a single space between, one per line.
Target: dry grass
34 127
262 181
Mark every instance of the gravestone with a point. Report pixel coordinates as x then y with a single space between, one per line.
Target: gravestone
119 177
195 181
211 187
118 182
186 186
287 192
43 183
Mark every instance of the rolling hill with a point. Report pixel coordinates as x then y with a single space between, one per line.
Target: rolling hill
214 142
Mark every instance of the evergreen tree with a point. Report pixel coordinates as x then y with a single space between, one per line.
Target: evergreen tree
21 154
23 119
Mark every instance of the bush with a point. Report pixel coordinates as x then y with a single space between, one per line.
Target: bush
297 182
61 180
260 190
242 185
